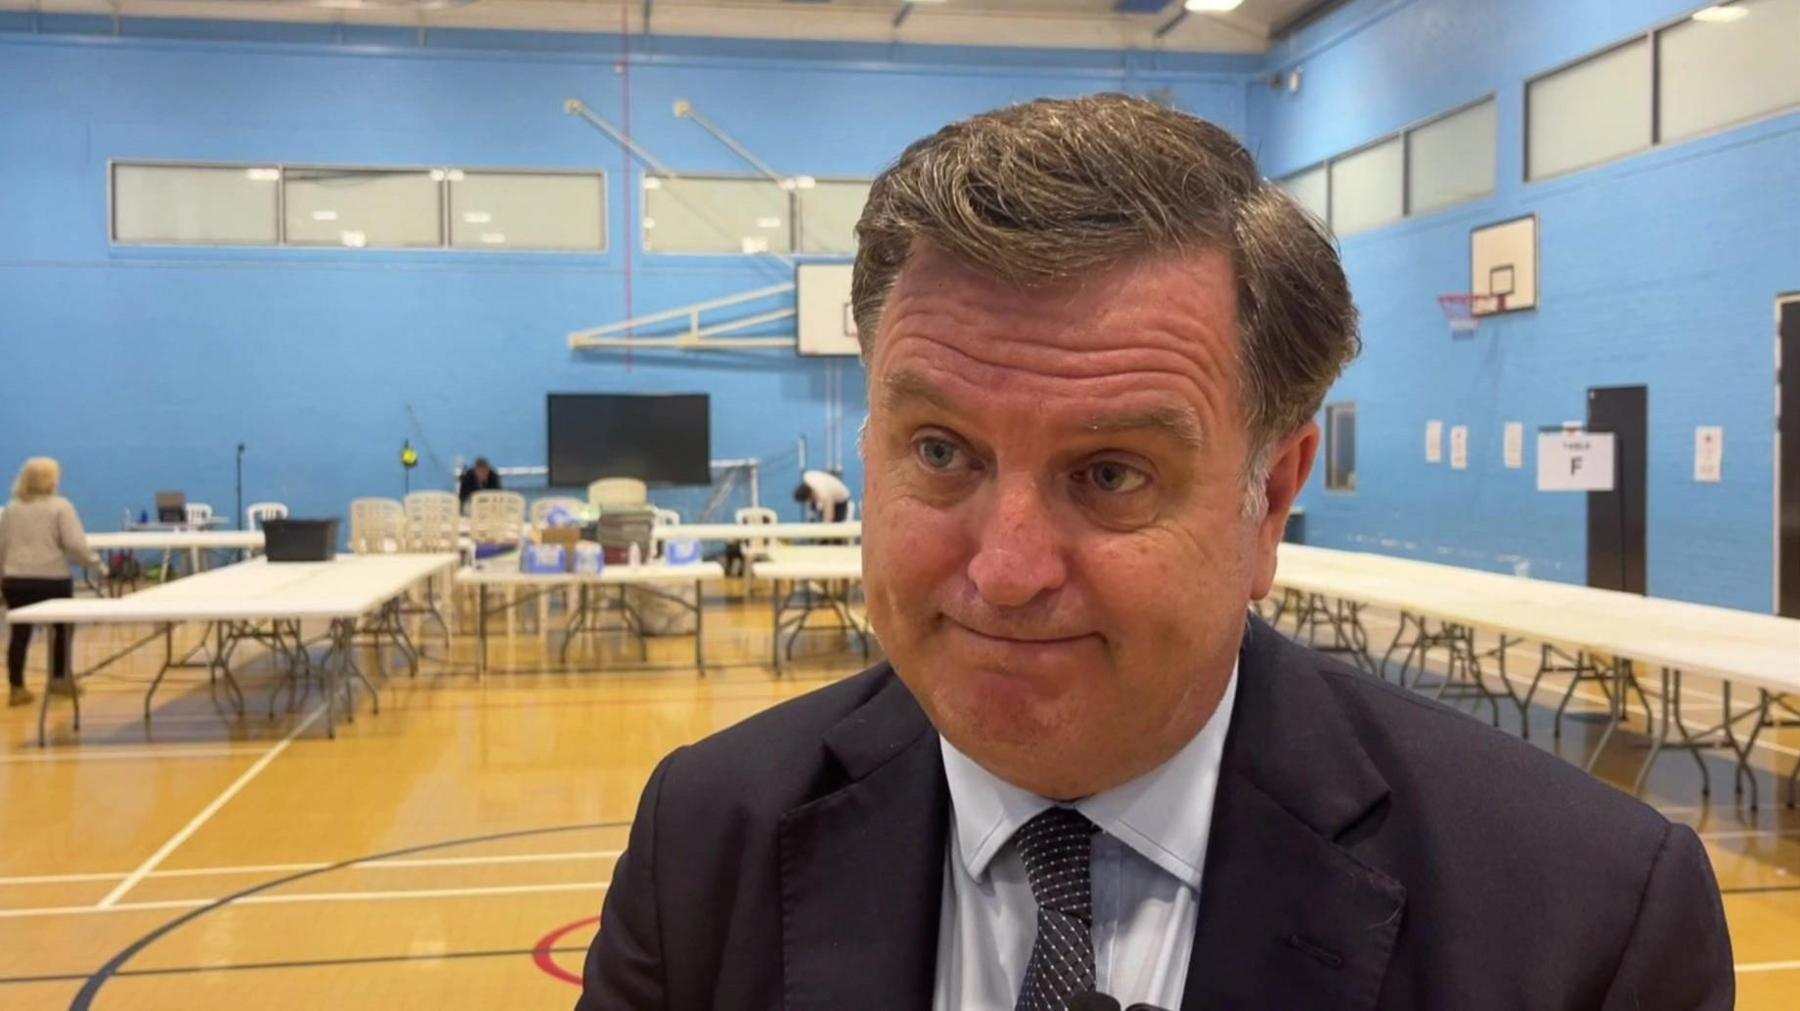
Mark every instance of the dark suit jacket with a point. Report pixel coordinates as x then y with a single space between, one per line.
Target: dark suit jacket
469 484
1369 849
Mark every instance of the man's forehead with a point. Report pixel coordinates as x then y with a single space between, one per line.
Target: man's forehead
1146 411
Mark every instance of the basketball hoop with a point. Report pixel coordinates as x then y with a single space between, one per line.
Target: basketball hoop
1464 310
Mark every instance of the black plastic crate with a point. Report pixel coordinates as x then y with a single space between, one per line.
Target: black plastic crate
298 540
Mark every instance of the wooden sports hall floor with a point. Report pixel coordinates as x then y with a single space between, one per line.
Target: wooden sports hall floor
452 852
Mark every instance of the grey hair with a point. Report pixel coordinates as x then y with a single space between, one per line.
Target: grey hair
1056 188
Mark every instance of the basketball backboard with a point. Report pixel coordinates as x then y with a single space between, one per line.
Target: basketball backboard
822 304
1503 261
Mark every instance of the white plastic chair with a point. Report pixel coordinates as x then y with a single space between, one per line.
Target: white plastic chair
377 526
434 525
496 517
433 521
257 512
618 491
758 516
199 514
663 518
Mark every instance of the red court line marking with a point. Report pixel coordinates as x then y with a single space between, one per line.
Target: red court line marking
543 954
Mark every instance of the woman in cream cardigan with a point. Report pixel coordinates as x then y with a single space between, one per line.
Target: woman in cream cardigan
40 535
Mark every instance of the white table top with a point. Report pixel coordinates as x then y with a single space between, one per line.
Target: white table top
611 575
757 531
173 540
257 590
1757 649
824 561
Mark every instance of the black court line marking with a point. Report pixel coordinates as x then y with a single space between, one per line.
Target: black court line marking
84 999
300 964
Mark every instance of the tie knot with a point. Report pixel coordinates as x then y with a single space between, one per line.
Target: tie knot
1055 846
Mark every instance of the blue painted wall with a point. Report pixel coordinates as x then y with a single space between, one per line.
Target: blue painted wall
142 368
1660 269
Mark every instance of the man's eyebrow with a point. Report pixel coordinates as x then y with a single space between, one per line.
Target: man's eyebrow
1178 422
904 388
901 388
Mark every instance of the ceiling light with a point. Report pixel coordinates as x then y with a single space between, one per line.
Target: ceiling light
805 182
455 175
437 175
324 216
355 240
264 175
1720 13
649 222
1212 6
477 217
494 238
768 222
652 183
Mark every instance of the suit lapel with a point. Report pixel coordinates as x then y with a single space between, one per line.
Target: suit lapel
1289 917
862 866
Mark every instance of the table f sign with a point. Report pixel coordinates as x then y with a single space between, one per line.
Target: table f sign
1570 459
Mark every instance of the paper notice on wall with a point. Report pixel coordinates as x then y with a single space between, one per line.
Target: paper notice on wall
1459 447
1515 445
1709 454
1434 442
1572 460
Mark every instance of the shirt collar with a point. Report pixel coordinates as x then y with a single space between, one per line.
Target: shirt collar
1164 815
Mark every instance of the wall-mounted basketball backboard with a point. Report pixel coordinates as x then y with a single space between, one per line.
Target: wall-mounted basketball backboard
822 304
1503 264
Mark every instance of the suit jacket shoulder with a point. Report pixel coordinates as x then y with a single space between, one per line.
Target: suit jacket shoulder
1515 879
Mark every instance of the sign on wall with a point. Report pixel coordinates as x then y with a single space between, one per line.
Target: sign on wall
1434 442
1573 460
1709 454
1515 445
1459 447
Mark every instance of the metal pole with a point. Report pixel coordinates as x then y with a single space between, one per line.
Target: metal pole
576 107
684 109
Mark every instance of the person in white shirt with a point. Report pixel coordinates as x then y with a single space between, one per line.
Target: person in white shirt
40 536
825 495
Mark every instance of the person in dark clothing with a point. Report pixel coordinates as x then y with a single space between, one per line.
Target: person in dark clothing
481 477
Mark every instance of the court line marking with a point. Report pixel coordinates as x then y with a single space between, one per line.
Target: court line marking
1750 833
84 998
1767 966
307 963
66 755
206 813
270 900
209 872
1759 889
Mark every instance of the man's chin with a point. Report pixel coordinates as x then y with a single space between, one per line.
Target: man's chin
998 712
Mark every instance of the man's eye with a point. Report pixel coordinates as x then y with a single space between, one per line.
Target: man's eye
937 454
1114 478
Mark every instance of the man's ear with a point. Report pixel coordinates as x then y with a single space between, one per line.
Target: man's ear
1290 464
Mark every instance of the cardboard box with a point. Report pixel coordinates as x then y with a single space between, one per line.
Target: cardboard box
563 537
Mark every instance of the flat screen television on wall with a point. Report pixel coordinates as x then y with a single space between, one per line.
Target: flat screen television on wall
660 439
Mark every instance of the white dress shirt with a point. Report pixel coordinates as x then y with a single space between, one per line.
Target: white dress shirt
1147 862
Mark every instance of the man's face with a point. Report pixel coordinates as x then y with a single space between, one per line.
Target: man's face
1056 554
481 472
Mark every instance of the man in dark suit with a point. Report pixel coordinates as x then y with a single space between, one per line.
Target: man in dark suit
1096 340
481 477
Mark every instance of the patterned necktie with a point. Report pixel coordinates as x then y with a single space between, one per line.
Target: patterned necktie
1055 846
